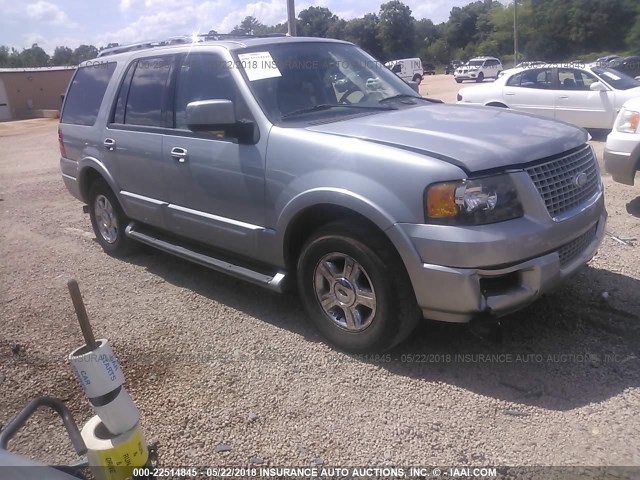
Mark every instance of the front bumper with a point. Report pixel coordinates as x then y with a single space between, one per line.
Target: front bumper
621 165
457 294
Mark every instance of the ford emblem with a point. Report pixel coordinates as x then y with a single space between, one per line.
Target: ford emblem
581 180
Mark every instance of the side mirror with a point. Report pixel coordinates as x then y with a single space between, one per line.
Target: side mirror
598 87
208 114
414 85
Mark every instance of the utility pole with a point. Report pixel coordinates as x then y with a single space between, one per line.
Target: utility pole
291 17
515 33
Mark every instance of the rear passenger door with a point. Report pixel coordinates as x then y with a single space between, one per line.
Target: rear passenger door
133 139
216 184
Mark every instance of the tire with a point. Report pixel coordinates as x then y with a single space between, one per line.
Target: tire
458 81
498 74
480 78
371 309
417 78
108 220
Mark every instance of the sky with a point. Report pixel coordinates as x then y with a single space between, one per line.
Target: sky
50 23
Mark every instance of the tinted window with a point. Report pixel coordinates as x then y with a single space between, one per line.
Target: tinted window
514 80
571 79
205 77
121 103
145 102
396 68
82 103
536 78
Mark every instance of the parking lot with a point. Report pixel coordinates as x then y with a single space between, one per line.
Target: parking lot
228 374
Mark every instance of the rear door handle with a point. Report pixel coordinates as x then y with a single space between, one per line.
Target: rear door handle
510 93
179 154
109 144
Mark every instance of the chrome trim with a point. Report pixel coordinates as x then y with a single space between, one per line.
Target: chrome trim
216 218
141 197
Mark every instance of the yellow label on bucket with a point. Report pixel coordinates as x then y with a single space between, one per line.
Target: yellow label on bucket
118 462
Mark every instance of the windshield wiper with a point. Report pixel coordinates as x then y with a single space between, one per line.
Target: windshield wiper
328 106
405 95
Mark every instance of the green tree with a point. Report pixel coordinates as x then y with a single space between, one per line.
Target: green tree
249 26
315 22
62 56
84 52
363 32
34 57
396 30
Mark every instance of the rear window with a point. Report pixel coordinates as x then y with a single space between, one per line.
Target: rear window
85 95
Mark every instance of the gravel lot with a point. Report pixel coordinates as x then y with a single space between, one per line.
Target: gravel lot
214 362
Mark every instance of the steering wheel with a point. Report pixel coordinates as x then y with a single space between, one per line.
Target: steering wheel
344 99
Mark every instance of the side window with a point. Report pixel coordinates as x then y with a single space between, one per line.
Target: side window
147 93
572 79
121 102
86 92
537 78
514 81
396 68
205 77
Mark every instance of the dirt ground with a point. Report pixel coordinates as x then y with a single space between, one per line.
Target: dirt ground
228 374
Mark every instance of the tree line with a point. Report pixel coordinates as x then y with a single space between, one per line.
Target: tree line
549 30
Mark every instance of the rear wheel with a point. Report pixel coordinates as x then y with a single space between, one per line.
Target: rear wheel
108 220
417 78
355 289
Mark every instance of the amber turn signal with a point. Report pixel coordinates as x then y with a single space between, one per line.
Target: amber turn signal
441 200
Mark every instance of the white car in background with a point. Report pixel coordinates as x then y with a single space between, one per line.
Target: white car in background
477 69
588 96
408 69
622 151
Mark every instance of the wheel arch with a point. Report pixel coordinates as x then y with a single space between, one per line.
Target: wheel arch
90 170
308 219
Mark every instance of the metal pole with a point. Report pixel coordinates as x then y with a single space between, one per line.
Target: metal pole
515 33
291 17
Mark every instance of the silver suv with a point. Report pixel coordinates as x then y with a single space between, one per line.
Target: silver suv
305 162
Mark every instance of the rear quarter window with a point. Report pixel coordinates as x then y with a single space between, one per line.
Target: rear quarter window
86 92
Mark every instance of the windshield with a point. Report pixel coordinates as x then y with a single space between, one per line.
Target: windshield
476 63
617 80
319 80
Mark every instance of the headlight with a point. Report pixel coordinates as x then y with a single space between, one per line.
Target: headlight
628 121
472 202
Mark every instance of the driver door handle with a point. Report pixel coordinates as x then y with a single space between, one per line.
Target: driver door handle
179 154
109 144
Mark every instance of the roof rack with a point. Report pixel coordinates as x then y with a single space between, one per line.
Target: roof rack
181 40
222 36
144 45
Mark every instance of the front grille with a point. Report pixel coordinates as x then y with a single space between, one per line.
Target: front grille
575 247
556 180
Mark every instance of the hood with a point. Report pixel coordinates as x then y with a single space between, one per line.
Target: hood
470 137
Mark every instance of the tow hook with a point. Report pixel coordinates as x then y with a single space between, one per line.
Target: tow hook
486 325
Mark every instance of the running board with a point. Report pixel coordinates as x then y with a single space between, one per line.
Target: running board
274 283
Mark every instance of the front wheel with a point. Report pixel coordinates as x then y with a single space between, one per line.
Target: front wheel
458 80
108 220
417 78
480 78
355 289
